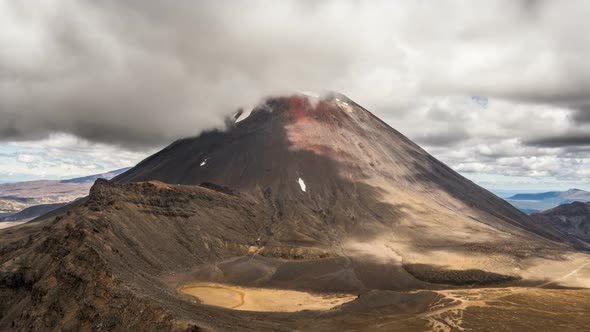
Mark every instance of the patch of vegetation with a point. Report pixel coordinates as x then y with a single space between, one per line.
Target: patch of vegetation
440 275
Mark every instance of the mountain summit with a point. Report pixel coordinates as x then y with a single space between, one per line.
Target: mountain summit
301 194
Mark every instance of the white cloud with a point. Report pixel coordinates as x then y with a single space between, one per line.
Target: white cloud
26 158
61 156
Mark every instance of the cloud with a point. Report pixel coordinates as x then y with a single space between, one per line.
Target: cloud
61 156
27 158
560 141
445 138
582 112
146 72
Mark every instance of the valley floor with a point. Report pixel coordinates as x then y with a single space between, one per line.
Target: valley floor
470 309
6 224
527 308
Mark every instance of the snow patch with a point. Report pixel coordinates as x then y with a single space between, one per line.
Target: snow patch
341 102
313 98
204 162
301 184
244 114
344 105
310 94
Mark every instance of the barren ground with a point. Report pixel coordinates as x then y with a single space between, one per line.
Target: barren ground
261 299
6 224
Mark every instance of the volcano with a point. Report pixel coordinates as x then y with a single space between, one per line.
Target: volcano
332 173
301 193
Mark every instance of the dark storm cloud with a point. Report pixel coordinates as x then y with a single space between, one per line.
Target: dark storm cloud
142 73
445 138
145 72
581 112
561 141
582 116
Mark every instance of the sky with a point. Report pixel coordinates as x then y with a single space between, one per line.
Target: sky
498 90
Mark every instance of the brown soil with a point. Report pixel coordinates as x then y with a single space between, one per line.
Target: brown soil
262 299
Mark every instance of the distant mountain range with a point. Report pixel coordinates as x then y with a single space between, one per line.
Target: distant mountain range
29 199
92 178
535 202
33 212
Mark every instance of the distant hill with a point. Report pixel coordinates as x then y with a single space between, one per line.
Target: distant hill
571 221
33 212
19 196
535 202
92 178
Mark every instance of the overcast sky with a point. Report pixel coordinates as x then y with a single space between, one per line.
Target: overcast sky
499 90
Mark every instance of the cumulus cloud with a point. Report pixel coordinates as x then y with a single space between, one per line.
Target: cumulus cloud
61 156
140 74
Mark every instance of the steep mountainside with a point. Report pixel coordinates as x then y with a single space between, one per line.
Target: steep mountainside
349 162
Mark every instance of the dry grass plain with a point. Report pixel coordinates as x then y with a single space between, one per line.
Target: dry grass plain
262 299
449 310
